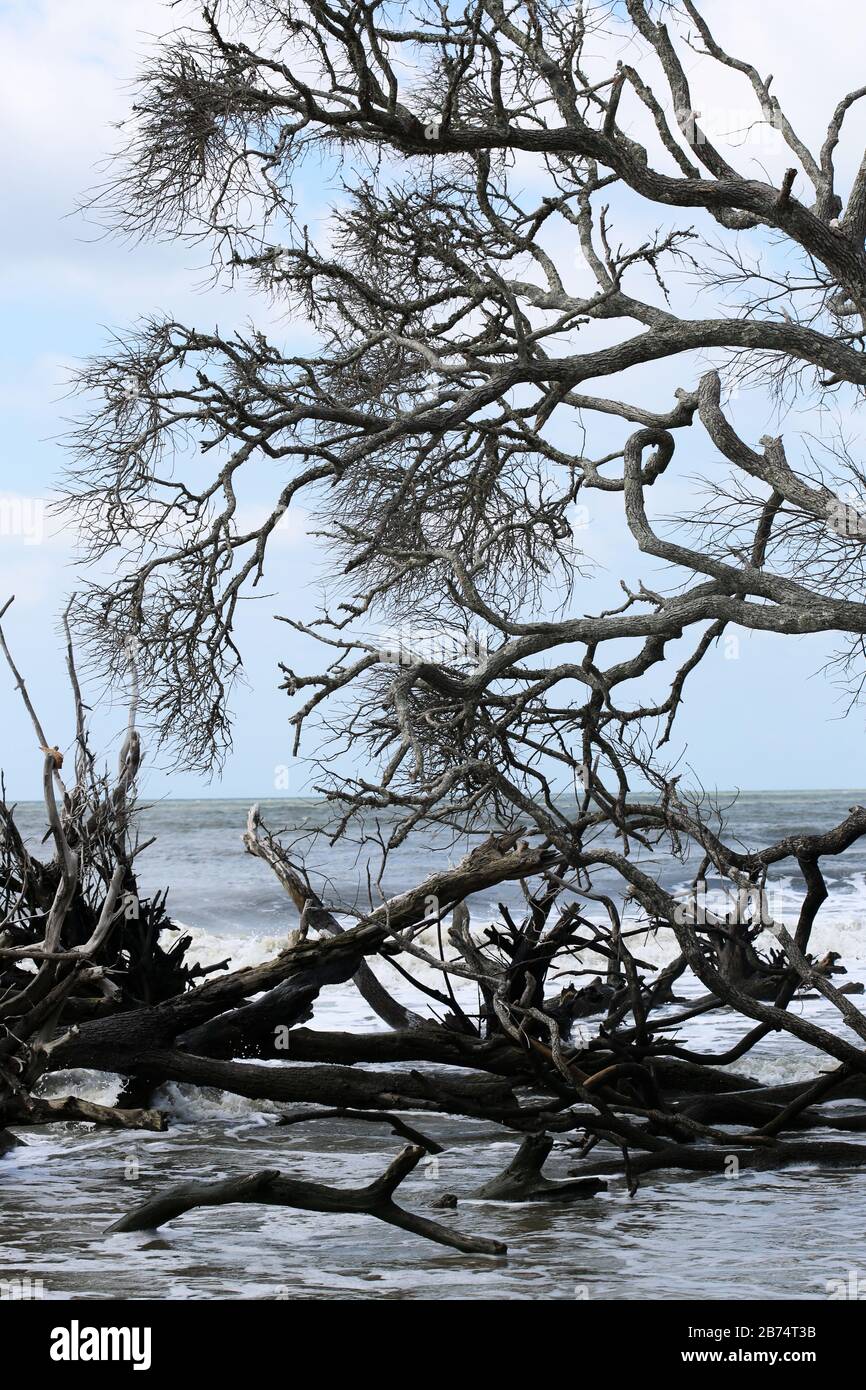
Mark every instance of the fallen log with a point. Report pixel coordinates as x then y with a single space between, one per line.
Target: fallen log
8 1142
272 1189
215 1017
381 1117
716 1160
431 1043
39 1111
333 1086
304 969
523 1180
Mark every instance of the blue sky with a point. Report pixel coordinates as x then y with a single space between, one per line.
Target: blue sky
762 719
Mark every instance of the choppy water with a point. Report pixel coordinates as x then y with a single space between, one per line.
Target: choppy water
762 1236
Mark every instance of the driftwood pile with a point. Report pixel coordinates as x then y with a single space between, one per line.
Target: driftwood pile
92 975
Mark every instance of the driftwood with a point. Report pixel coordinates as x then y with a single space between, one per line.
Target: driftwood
315 915
397 1126
653 1100
628 1086
272 1189
325 1085
39 1111
421 421
8 1142
701 1160
523 1180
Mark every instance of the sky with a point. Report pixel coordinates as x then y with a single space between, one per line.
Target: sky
761 716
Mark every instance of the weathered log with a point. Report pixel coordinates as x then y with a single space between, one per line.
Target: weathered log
39 1111
272 1189
843 1088
715 1160
304 969
300 971
675 1075
332 1086
8 1142
523 1180
732 1110
432 1043
498 1055
796 1113
398 1126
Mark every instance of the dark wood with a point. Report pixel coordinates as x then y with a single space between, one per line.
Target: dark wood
272 1189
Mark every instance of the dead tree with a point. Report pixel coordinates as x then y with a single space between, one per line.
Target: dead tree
77 941
448 422
271 1188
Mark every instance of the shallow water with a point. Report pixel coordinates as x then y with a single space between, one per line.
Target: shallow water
756 1236
786 1236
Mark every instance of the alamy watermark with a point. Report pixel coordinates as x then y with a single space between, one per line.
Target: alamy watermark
21 1289
22 518
748 903
77 1343
845 517
851 1287
409 645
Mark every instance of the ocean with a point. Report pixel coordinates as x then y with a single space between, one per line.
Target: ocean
792 1234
